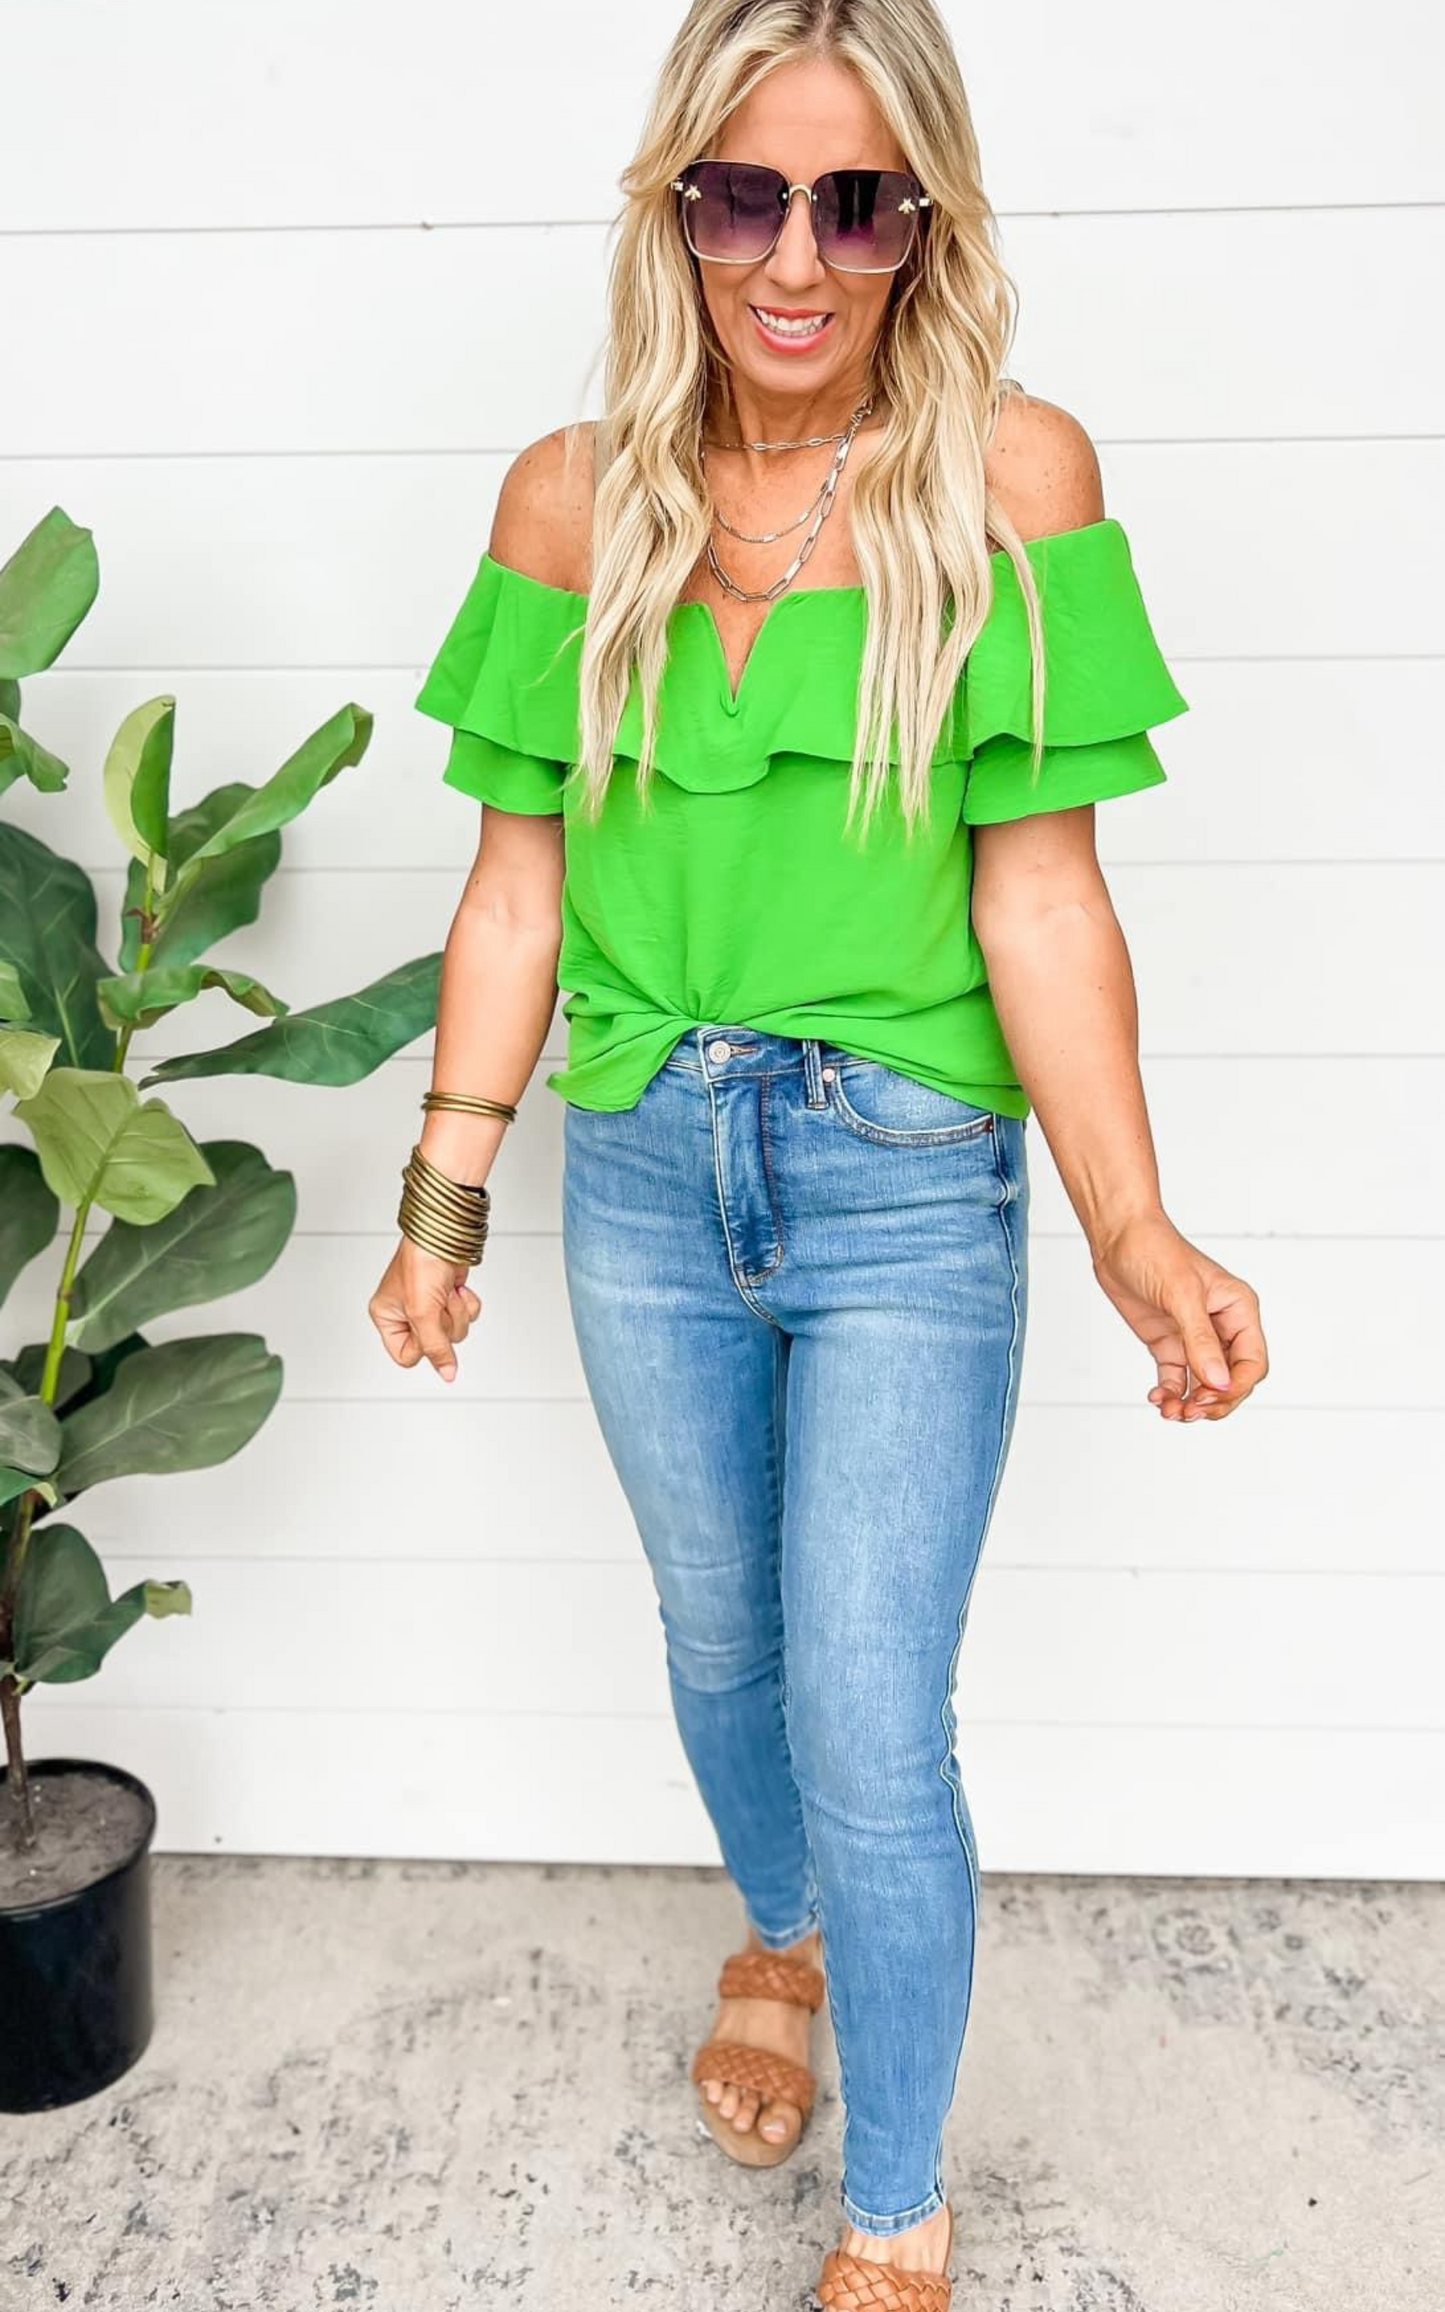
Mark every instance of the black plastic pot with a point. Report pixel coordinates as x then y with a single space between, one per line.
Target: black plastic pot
76 1971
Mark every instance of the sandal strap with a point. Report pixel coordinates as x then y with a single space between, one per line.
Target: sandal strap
852 2284
772 1975
757 2071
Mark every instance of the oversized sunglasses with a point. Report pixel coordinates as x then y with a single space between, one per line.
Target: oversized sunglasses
864 220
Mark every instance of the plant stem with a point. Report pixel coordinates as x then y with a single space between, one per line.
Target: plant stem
22 1812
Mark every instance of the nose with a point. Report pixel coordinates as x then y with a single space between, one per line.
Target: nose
795 257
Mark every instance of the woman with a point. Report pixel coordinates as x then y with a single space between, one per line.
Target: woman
816 863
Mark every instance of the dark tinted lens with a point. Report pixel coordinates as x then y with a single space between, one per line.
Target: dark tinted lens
732 209
865 219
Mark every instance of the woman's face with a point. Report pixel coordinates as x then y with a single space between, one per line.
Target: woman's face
805 118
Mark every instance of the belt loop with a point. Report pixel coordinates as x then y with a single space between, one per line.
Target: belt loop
813 1072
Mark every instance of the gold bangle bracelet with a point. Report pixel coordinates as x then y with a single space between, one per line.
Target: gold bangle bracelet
472 1103
446 1217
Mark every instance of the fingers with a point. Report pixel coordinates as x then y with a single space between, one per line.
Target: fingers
1223 1348
424 1312
434 1326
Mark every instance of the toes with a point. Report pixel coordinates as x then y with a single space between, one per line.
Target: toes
779 2121
746 2113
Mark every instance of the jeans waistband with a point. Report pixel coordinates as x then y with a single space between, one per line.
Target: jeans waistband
724 1048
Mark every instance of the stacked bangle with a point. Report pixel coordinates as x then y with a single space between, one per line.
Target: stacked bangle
472 1102
442 1215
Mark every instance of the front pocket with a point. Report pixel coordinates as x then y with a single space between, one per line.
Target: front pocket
895 1110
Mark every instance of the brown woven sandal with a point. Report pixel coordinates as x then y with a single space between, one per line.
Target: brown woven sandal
854 2284
757 2070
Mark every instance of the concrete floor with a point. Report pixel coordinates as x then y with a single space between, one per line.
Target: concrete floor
420 2087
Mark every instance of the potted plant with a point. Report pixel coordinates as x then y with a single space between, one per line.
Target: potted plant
188 1221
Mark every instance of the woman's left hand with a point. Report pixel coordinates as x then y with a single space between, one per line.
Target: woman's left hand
1200 1323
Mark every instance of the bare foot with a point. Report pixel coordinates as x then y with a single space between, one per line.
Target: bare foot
924 2248
782 2028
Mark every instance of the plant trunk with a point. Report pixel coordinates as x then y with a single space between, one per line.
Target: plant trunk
22 1812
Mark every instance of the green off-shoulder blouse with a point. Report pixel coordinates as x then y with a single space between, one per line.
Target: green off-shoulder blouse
736 898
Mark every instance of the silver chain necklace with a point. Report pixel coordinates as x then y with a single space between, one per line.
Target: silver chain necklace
820 508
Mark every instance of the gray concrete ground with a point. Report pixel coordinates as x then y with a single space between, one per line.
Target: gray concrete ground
420 2087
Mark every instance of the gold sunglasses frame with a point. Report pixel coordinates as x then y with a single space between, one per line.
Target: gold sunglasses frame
692 193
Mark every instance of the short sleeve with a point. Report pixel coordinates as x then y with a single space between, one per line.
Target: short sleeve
1107 684
504 680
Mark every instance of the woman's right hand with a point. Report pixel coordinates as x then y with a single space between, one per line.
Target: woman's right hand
422 1307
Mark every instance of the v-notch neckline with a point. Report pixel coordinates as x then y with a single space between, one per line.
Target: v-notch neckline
732 698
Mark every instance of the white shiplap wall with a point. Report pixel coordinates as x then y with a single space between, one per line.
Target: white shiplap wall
287 286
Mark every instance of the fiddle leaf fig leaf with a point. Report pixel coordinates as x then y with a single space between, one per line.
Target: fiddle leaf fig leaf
47 937
66 1620
98 1142
216 1240
140 998
138 781
29 1212
339 742
180 1405
333 1043
29 1431
23 757
222 895
14 1482
25 1060
46 588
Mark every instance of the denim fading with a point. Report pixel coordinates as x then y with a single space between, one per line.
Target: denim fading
798 1280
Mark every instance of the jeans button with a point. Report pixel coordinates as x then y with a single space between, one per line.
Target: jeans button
719 1050
828 1074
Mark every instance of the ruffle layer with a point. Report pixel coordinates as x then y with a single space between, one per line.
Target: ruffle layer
507 670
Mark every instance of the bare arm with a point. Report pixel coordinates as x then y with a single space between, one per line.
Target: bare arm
1063 986
498 983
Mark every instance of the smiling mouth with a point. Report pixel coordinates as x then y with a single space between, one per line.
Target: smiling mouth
800 326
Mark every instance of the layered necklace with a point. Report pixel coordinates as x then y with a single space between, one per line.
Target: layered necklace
818 508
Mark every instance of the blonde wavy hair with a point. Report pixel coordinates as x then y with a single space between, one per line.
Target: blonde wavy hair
922 514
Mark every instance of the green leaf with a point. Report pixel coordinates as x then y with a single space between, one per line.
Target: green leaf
10 698
138 779
28 1368
65 1618
99 1142
182 1405
14 1482
140 998
24 1060
46 588
13 1005
47 936
334 1043
21 756
341 741
29 1432
215 1241
29 1212
223 894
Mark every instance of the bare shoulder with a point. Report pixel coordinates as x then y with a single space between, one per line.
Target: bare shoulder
1042 468
543 520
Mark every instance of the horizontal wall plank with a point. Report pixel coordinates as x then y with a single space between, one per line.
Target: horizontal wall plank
1271 764
1164 1800
1246 959
359 127
1247 1146
1244 550
1353 1323
471 380
1044 1645
1270 1491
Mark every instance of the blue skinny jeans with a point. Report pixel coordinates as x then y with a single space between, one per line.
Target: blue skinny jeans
798 1280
